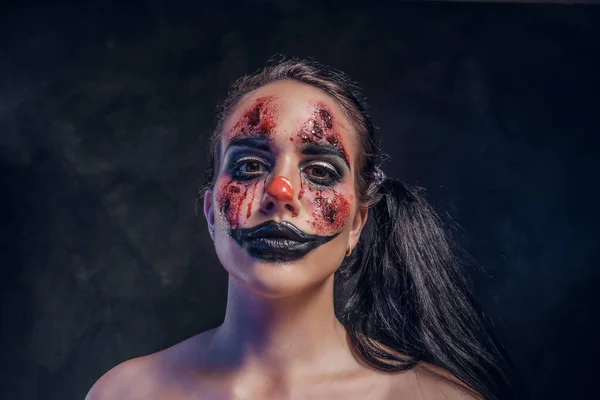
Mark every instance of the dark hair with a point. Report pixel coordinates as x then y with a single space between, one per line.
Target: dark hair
401 294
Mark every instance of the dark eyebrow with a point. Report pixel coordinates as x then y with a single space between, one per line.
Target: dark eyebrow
255 142
313 149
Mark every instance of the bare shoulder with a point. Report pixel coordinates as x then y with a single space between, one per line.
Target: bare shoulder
130 380
433 383
429 382
153 376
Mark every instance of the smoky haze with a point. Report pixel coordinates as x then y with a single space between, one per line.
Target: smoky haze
105 116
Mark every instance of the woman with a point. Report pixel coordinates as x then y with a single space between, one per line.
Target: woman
295 199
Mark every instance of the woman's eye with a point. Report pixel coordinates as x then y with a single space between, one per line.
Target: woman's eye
251 166
248 169
321 174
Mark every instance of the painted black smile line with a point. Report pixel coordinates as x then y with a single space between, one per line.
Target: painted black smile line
278 242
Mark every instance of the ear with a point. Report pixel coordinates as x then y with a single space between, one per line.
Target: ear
359 221
209 213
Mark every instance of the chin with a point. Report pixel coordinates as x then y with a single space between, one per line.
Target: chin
271 277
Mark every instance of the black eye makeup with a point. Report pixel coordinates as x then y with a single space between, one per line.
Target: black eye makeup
321 173
246 168
322 166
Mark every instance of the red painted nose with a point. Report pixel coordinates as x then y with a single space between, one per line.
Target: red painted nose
281 189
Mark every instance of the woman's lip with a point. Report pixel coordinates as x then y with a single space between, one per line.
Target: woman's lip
272 229
278 250
277 242
274 244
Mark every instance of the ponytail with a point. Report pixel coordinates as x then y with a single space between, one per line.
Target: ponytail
404 289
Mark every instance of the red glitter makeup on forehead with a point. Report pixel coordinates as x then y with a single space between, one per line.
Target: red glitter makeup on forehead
319 127
326 118
259 118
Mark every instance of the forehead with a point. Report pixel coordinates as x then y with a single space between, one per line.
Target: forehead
286 106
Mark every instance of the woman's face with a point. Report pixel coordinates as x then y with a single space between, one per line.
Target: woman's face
283 210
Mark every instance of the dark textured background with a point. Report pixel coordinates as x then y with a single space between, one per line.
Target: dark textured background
105 112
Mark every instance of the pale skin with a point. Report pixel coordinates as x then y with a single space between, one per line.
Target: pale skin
280 338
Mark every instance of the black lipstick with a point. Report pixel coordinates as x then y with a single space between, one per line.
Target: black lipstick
277 242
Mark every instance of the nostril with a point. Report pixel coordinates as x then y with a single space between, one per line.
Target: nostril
289 207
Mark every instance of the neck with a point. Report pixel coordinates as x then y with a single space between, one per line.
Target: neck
282 335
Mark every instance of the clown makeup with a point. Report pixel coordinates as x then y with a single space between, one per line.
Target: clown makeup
290 164
317 136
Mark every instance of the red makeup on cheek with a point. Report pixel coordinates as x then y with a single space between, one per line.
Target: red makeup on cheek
231 197
301 191
249 208
331 211
320 126
258 118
